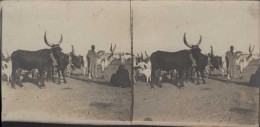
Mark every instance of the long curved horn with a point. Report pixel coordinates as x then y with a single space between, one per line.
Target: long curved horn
199 41
249 48
138 55
46 41
61 38
253 48
111 48
146 54
114 48
185 41
142 55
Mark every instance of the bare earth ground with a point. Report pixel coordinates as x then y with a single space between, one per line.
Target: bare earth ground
215 102
79 99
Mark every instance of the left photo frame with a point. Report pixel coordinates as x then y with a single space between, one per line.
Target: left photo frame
66 62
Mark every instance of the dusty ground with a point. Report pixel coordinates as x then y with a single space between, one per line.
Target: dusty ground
215 102
79 99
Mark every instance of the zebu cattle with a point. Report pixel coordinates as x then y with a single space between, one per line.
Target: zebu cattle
41 60
104 59
145 69
244 59
216 61
7 69
180 61
68 62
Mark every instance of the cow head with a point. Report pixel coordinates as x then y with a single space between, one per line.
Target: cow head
195 50
55 48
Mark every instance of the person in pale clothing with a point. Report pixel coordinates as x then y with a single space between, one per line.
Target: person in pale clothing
92 62
231 63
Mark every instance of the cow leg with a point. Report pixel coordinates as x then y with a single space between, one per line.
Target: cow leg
191 75
152 78
198 76
42 84
63 75
32 75
13 75
19 77
202 76
52 74
148 80
158 78
181 79
171 75
58 70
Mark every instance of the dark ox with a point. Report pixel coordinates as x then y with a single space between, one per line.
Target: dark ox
216 61
41 60
180 61
65 64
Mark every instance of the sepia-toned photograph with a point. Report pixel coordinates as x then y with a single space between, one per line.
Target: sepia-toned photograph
195 62
58 58
132 62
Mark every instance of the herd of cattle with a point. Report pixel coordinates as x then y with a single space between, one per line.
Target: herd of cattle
40 64
181 64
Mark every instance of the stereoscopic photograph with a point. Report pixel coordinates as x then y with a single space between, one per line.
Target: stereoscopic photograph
58 58
173 63
194 61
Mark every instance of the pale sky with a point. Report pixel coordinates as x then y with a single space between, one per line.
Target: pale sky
160 25
82 23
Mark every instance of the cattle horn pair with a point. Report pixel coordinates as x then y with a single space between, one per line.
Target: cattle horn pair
113 48
251 49
189 45
51 45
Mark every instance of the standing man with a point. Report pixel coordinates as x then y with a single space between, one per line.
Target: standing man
92 62
231 63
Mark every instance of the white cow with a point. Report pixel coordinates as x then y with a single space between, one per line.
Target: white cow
7 69
243 59
104 59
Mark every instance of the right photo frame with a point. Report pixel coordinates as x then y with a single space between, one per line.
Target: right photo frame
196 63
